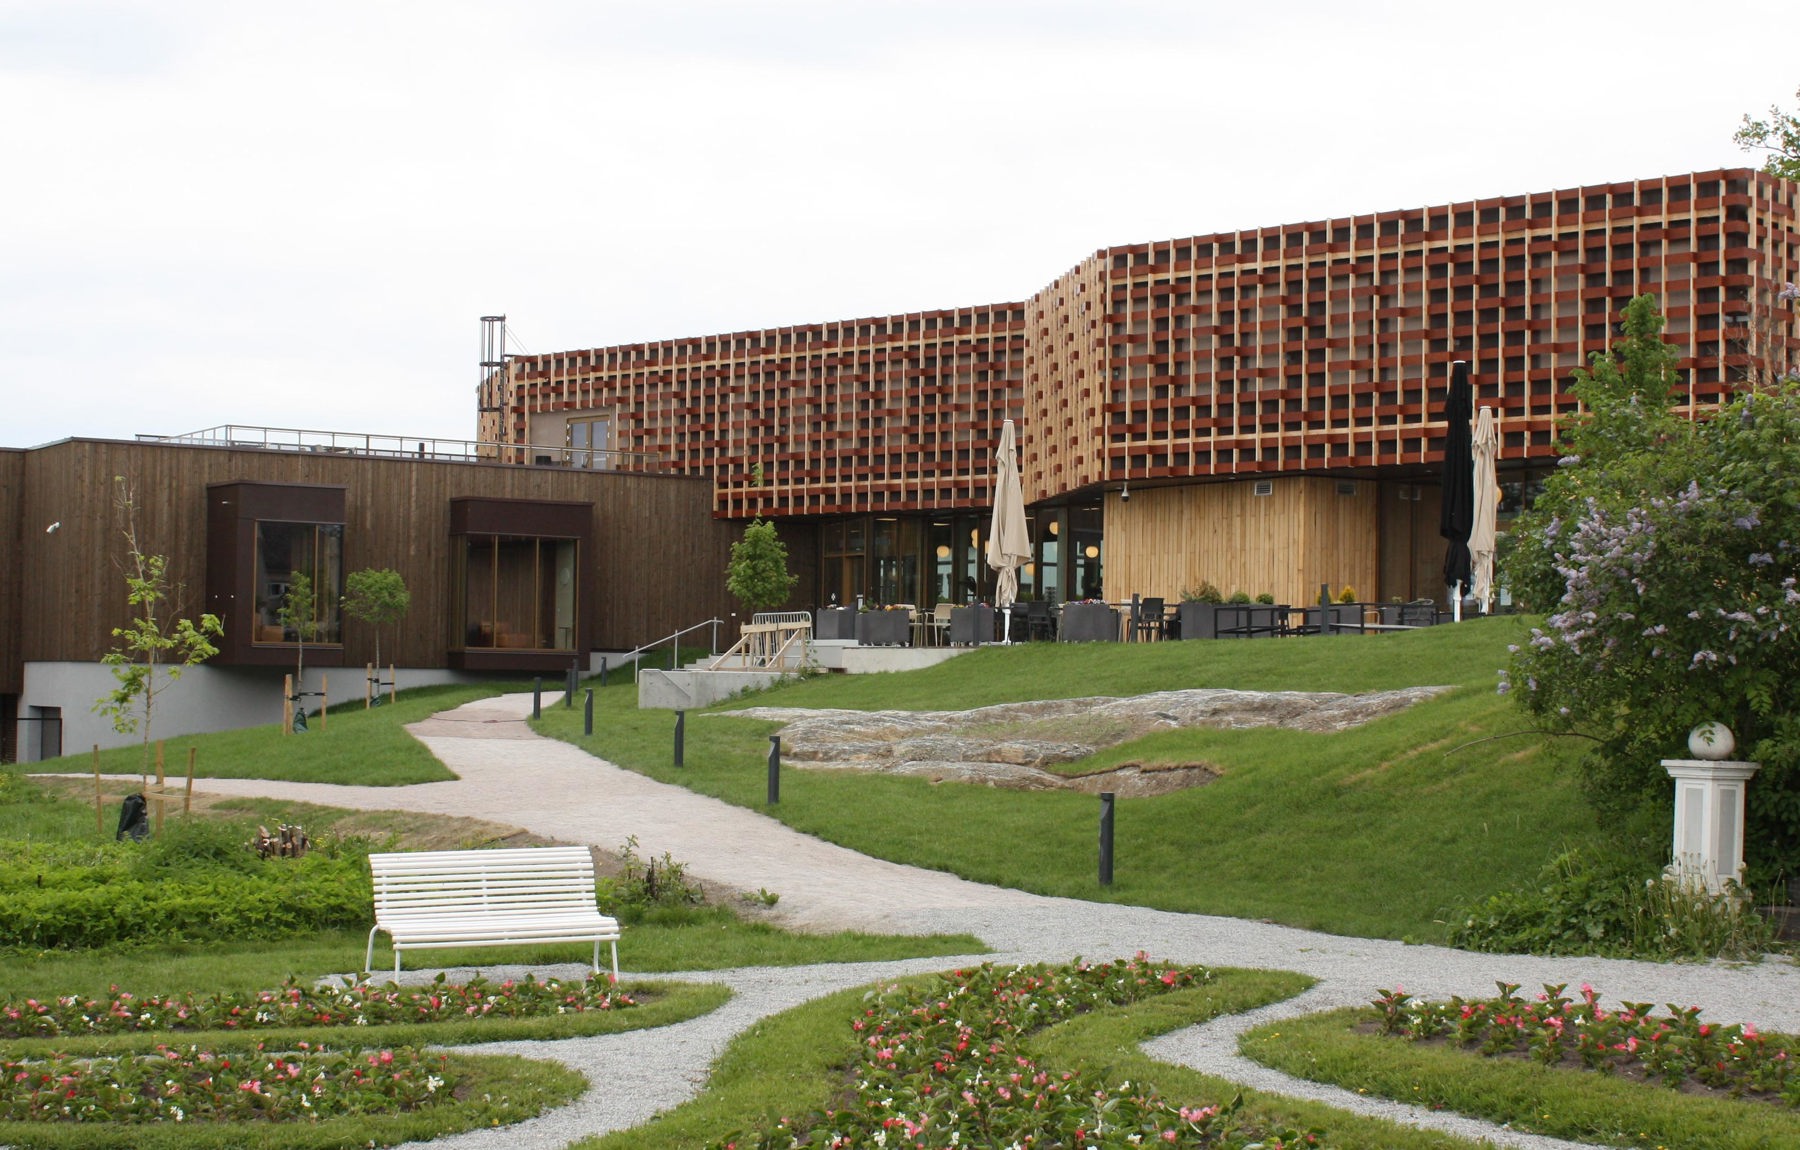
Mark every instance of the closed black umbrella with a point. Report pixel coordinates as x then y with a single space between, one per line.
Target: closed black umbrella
1456 516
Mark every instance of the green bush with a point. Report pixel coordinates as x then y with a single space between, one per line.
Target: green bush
1204 593
198 882
1611 903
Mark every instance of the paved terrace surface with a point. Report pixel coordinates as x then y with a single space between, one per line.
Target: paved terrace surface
509 774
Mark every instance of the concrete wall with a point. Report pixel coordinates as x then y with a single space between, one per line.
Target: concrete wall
206 699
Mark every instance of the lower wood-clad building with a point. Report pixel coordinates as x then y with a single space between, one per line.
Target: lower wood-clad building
512 569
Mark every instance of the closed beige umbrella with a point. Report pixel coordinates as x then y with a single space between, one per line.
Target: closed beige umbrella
1008 545
1486 447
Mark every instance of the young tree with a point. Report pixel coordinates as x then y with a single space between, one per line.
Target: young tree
150 641
757 575
377 596
1625 395
1779 135
297 611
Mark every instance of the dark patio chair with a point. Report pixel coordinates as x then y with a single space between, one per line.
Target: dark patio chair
1039 623
1149 623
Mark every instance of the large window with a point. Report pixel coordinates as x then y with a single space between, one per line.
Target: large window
518 596
518 592
260 539
285 551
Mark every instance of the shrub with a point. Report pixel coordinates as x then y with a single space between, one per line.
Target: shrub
1239 597
1615 905
1204 593
197 882
1667 551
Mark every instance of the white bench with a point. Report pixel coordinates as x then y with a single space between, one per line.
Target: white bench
434 899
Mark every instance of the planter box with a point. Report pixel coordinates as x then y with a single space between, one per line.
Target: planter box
883 628
834 623
1089 623
971 626
1198 620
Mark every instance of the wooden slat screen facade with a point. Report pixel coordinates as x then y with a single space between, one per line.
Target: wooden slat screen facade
657 564
882 414
1326 346
1319 348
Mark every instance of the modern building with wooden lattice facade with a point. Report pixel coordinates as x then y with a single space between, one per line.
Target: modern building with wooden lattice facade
1259 409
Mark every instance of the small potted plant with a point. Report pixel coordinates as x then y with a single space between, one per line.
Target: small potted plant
1199 611
1234 617
1265 619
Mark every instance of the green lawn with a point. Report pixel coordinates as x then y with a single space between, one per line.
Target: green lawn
1560 1102
369 747
1382 831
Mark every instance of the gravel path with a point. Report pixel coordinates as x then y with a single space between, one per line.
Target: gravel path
508 774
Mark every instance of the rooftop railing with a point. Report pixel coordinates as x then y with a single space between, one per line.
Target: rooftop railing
242 436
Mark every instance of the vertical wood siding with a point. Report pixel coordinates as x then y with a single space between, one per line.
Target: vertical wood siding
12 569
1166 540
657 562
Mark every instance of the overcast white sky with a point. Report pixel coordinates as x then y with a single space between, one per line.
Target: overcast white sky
293 215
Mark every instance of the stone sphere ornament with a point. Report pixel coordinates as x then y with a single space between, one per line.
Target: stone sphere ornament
1712 741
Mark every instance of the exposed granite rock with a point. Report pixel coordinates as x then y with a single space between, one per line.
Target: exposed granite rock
1015 744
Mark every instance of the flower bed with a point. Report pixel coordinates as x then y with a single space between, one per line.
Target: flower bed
1676 1049
943 1064
182 1085
359 1004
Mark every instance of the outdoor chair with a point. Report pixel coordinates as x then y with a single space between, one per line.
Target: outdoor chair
1420 613
1148 622
1039 623
938 626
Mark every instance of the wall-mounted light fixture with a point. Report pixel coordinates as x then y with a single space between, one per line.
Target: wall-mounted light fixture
1125 492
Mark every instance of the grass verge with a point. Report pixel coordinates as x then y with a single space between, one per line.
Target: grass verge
1563 1103
362 747
497 1090
708 941
1422 813
659 1004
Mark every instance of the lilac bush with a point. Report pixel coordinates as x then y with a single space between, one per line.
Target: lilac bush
1667 556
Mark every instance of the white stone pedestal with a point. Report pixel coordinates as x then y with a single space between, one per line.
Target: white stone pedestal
1709 820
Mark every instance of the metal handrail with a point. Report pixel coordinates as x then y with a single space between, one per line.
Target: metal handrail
675 663
402 446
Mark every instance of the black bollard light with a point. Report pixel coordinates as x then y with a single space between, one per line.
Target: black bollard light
680 736
537 697
1106 838
603 670
774 769
574 685
587 713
